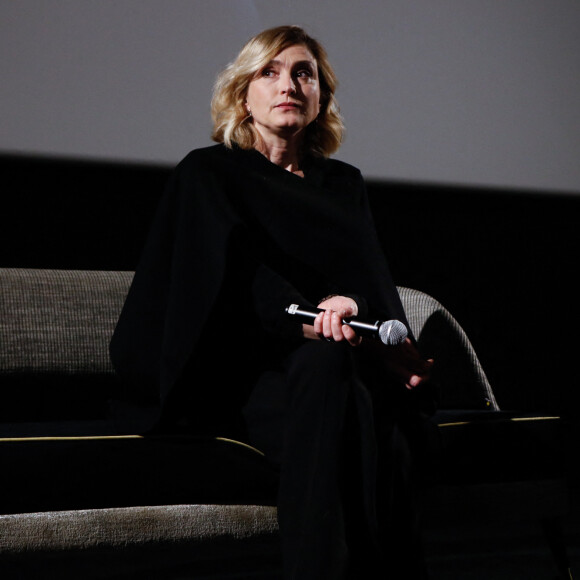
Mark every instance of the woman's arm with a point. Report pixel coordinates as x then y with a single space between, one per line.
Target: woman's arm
272 293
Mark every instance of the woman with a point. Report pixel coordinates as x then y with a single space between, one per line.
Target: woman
247 227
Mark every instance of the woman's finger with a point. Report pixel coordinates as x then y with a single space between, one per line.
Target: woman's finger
336 327
317 325
351 336
327 324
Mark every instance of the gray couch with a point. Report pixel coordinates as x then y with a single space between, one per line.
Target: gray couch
80 500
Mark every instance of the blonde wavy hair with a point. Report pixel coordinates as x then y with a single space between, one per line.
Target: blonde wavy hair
232 124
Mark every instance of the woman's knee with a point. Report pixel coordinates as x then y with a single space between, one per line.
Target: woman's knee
320 373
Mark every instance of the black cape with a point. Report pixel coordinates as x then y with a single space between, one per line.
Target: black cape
227 210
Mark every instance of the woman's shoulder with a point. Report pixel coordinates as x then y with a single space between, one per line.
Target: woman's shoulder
339 167
338 174
202 161
202 154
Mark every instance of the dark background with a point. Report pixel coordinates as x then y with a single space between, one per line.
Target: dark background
502 261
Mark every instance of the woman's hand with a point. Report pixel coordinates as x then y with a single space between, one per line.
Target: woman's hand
328 324
404 362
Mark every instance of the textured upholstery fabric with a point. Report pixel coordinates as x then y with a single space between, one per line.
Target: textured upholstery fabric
156 543
464 383
55 327
58 321
122 527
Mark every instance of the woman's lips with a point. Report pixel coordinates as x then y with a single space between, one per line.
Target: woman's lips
288 106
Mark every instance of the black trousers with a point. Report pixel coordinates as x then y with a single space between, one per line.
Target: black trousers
345 502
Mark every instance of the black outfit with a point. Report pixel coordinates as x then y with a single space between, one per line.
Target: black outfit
235 241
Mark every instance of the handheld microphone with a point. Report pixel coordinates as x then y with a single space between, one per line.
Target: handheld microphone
391 332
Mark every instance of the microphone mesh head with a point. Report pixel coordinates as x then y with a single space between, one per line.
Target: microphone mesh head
393 332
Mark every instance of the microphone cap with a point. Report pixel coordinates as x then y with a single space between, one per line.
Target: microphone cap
392 332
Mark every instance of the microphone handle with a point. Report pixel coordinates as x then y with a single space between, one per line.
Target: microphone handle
362 328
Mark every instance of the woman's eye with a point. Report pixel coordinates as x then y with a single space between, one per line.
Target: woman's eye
268 72
304 73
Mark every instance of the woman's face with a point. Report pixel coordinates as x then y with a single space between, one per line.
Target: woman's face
284 97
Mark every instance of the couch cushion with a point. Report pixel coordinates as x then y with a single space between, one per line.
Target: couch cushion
59 321
55 328
154 542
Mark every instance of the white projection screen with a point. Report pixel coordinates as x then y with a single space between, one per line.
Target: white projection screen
476 92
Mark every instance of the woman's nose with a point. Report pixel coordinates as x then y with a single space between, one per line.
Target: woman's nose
288 84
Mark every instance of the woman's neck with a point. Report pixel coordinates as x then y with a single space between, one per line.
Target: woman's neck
283 153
